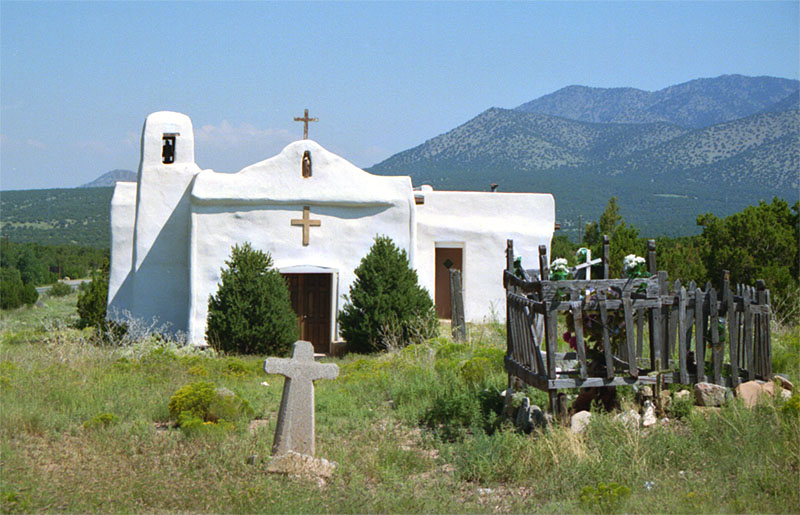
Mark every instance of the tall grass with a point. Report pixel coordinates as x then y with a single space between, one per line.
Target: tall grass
415 430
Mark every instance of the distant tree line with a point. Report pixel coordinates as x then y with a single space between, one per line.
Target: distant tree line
759 242
27 265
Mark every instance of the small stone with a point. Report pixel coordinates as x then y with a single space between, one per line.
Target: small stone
630 418
666 399
786 394
749 392
264 383
646 392
783 381
538 417
579 421
709 394
682 394
649 417
523 420
484 491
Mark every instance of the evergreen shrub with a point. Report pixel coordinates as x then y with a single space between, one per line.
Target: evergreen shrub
386 306
252 311
93 299
60 289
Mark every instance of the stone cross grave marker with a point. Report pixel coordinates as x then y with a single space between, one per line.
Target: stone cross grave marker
295 431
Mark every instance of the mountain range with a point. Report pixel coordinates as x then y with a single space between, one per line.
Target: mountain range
709 145
110 179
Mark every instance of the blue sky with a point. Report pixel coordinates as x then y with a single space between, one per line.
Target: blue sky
78 79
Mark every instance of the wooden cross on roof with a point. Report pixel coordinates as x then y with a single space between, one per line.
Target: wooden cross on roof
305 119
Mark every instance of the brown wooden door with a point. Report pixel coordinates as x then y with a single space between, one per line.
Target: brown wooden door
311 302
444 257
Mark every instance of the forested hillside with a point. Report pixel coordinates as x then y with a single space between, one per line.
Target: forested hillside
78 216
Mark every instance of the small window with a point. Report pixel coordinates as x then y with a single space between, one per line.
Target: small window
168 148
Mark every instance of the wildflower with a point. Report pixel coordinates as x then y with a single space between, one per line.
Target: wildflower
570 339
559 270
634 266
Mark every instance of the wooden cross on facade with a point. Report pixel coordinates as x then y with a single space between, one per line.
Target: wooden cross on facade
295 431
306 223
305 119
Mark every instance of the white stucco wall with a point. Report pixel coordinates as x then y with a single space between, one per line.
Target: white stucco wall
258 204
162 228
480 224
120 280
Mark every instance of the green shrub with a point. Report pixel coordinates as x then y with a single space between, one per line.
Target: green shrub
386 306
60 289
192 425
791 408
605 498
101 420
251 312
93 299
203 400
476 369
236 368
681 407
198 370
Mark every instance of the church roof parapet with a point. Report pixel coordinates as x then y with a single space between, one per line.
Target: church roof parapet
279 180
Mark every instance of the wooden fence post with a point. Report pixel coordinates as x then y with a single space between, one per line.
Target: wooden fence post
606 256
733 327
544 265
457 324
700 334
651 257
764 351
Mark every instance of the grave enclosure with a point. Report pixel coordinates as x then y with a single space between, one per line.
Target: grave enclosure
729 323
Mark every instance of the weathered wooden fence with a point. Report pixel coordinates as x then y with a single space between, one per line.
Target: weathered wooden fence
690 331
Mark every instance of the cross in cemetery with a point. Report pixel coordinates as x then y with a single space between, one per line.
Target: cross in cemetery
306 222
305 119
295 431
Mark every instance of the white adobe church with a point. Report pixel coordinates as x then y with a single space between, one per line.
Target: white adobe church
317 215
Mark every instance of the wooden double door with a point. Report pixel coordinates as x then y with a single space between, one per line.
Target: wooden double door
311 302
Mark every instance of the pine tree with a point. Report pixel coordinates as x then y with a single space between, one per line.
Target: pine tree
385 297
252 311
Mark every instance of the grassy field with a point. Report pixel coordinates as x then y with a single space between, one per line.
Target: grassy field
86 427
